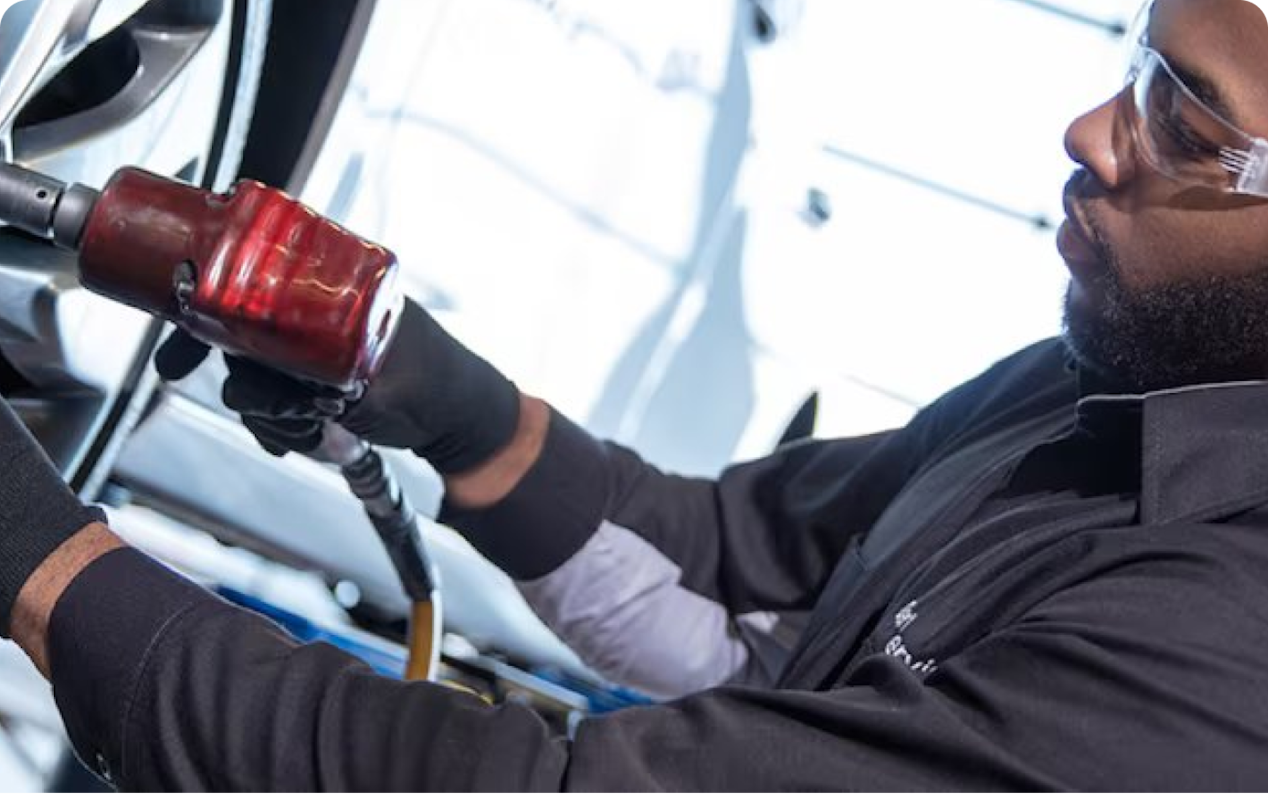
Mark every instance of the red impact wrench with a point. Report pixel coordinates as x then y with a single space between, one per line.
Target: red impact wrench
259 275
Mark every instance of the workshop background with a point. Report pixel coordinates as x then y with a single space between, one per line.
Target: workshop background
679 220
621 203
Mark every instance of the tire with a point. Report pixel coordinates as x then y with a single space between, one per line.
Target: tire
74 366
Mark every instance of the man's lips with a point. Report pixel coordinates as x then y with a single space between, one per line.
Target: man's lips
1076 245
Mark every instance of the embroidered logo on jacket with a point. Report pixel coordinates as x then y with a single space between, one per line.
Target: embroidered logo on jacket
897 646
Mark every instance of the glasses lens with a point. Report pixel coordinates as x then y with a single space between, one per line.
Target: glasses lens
1174 132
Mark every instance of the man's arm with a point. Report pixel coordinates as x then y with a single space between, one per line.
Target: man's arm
1144 669
673 584
481 487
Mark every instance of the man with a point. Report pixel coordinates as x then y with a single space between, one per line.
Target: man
1055 577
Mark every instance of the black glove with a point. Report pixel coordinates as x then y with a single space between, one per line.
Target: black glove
37 510
432 396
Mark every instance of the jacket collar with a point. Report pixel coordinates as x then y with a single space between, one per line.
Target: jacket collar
1203 449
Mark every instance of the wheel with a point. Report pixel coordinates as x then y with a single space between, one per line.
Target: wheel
168 85
85 87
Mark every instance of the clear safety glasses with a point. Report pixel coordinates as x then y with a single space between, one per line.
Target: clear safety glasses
1183 138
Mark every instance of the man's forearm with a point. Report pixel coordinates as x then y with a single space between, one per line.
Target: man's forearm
164 686
483 486
39 595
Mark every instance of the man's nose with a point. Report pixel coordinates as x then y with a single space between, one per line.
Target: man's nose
1101 143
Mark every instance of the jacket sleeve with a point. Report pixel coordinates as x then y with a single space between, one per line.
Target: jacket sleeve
672 584
1136 677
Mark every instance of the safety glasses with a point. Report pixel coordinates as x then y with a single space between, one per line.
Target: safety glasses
1182 137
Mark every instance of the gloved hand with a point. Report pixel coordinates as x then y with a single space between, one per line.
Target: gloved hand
37 510
432 396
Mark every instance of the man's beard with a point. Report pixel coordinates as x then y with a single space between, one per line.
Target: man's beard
1207 330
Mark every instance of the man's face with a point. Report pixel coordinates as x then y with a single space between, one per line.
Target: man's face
1169 282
